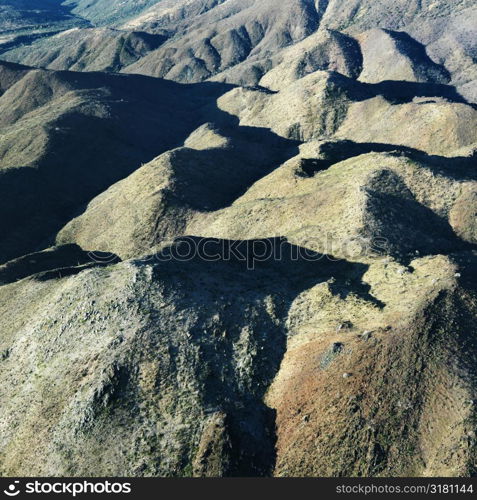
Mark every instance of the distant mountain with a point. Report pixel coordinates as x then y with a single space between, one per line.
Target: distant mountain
238 41
88 49
34 15
108 12
47 119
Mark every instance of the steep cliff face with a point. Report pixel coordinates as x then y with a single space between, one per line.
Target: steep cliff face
256 258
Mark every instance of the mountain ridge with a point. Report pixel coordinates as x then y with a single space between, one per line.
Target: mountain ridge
239 238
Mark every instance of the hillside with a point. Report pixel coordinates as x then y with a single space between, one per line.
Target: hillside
48 117
239 41
16 15
88 49
111 12
239 238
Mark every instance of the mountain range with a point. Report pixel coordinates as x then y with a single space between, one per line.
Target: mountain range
238 238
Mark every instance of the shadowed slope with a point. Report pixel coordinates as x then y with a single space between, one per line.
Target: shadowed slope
68 136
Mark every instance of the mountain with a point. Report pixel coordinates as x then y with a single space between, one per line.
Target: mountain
22 22
239 41
88 49
48 117
102 12
16 15
239 238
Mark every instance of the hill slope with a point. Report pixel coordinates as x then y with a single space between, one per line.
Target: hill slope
16 15
48 117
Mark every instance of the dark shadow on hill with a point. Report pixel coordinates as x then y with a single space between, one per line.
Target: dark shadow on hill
458 168
397 91
57 262
417 53
410 229
467 269
226 278
212 179
86 154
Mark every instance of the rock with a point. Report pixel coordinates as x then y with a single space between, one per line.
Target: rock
337 347
347 325
366 335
